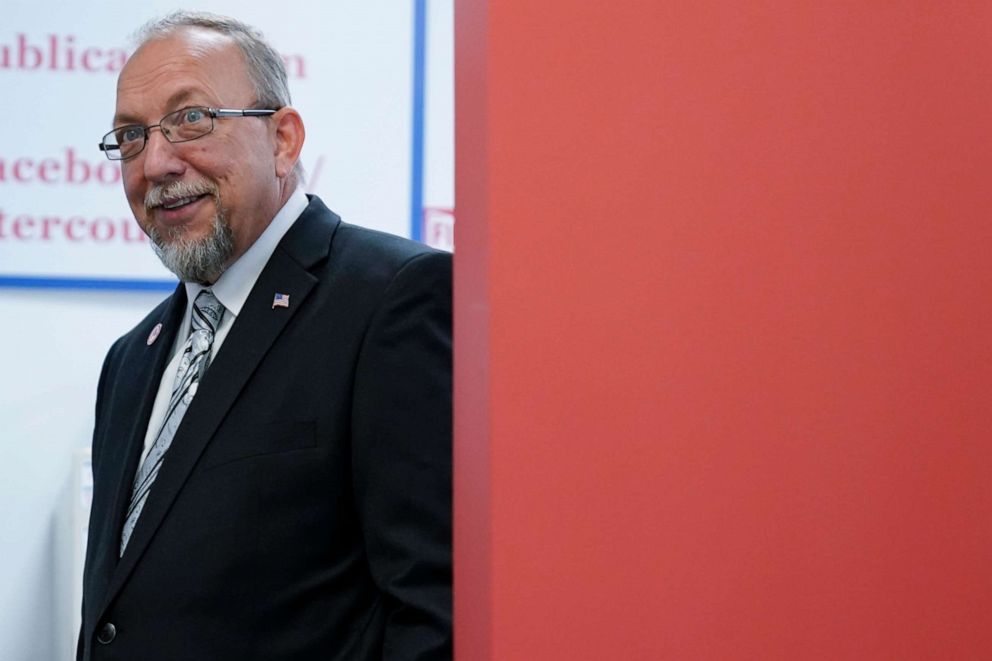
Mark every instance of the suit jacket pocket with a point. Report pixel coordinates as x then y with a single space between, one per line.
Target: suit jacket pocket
259 439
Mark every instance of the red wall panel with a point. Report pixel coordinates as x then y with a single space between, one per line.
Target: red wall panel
723 327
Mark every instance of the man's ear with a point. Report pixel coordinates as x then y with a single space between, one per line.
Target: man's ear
289 134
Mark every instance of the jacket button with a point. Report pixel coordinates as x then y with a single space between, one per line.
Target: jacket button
106 634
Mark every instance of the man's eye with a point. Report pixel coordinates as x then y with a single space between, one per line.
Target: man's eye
192 115
130 134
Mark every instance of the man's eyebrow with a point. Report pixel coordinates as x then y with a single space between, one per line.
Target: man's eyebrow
175 101
123 119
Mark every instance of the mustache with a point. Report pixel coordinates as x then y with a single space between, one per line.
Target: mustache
177 190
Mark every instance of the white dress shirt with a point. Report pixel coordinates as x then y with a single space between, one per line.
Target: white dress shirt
231 289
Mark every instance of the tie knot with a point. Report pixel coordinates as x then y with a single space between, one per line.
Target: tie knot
207 311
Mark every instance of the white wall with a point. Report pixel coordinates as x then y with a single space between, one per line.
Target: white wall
54 343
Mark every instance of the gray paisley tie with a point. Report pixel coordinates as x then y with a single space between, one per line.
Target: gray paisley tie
207 313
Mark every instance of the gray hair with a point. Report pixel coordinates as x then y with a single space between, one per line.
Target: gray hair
265 67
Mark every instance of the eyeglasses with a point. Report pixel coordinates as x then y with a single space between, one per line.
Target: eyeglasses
183 125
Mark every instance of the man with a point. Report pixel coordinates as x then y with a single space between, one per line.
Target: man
272 449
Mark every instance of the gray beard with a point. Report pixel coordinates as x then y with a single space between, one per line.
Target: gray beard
202 260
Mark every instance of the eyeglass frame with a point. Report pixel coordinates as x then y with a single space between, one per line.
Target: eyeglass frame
213 113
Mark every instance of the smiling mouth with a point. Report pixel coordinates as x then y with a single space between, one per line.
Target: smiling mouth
181 202
174 197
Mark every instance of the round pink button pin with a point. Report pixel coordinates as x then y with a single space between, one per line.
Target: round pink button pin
154 334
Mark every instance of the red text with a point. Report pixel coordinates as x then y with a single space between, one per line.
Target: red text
75 229
65 168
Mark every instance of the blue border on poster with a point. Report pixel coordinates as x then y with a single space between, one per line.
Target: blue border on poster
416 184
417 147
61 282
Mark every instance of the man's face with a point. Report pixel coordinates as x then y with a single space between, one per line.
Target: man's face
202 202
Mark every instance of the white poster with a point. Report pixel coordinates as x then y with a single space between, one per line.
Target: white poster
372 79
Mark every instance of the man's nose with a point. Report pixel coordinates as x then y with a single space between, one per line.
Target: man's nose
161 162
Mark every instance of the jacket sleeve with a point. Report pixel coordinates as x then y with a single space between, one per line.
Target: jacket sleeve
401 453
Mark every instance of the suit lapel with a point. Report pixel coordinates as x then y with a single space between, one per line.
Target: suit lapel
143 366
147 385
253 333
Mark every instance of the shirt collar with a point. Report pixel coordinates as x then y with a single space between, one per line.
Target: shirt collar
234 285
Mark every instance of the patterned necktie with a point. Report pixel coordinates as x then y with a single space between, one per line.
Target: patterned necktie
207 313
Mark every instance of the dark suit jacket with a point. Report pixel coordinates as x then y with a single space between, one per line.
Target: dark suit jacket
303 510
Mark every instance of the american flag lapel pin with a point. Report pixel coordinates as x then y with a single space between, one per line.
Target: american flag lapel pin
280 301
